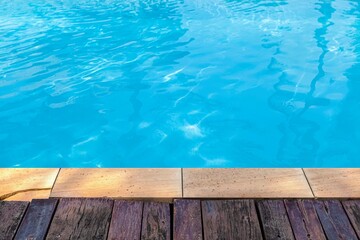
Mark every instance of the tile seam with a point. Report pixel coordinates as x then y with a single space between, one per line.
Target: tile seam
53 185
308 182
182 183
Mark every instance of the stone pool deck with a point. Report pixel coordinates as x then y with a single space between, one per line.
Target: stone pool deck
167 184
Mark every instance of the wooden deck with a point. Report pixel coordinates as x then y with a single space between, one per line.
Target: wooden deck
101 218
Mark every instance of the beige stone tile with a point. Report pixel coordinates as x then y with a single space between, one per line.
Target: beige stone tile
28 196
245 183
13 180
118 183
334 182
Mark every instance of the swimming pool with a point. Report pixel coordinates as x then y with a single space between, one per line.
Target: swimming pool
179 83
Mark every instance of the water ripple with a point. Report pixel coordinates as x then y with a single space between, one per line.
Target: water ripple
172 83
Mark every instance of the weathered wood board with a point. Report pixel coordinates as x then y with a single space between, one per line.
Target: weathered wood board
156 221
11 214
187 220
126 220
304 220
334 220
352 208
37 219
230 219
274 220
81 218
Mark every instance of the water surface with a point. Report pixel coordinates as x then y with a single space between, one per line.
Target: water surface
191 83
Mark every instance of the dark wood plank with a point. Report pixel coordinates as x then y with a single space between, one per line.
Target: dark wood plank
37 219
274 220
126 220
230 219
11 214
156 221
187 220
352 208
333 218
81 218
304 220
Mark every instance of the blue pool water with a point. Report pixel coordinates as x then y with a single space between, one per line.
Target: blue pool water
179 83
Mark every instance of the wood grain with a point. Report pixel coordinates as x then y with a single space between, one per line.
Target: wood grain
304 220
11 214
274 220
126 220
187 220
352 208
333 218
37 219
81 218
156 221
230 219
